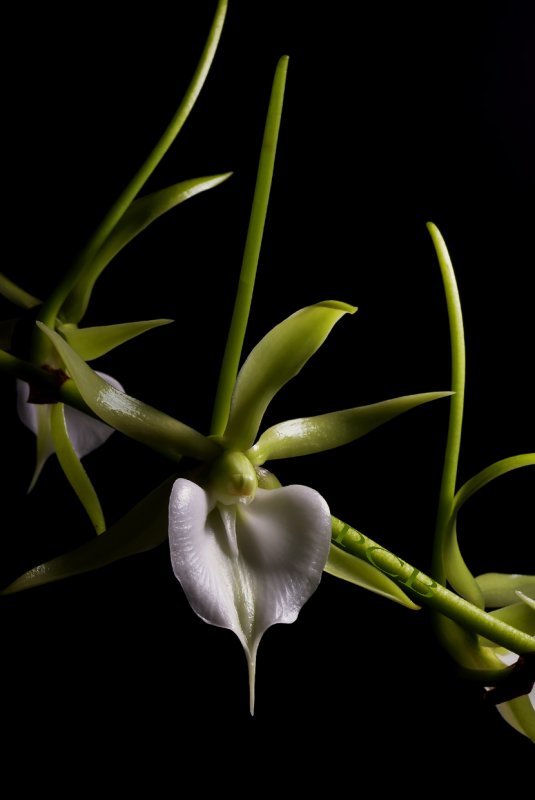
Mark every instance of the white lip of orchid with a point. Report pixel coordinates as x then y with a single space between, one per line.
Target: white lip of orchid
251 559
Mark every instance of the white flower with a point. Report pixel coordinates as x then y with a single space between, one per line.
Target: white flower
247 566
247 552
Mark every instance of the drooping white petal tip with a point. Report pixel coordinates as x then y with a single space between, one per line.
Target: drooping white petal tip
247 567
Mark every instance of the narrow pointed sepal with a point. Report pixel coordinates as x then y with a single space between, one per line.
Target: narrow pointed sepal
142 528
307 435
277 358
248 566
91 343
73 468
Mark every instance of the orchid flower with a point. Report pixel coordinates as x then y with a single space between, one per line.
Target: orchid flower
59 428
510 595
68 432
247 551
71 435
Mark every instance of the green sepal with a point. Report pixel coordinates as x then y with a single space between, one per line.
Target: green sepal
136 218
520 714
91 343
277 358
73 468
16 295
307 435
500 590
130 416
145 526
352 569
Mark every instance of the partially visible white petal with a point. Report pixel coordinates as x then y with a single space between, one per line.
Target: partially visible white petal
27 411
254 566
85 432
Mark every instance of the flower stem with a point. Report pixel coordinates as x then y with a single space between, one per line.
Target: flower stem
242 304
52 306
426 591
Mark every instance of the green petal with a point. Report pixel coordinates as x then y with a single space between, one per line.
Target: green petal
130 416
137 217
301 437
501 590
73 469
143 528
520 714
92 343
277 358
349 568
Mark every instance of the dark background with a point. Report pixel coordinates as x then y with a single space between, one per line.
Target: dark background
392 117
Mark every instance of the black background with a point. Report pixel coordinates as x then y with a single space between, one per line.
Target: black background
393 117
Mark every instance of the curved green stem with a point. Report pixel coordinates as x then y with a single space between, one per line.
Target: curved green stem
426 591
242 305
458 372
53 305
15 294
